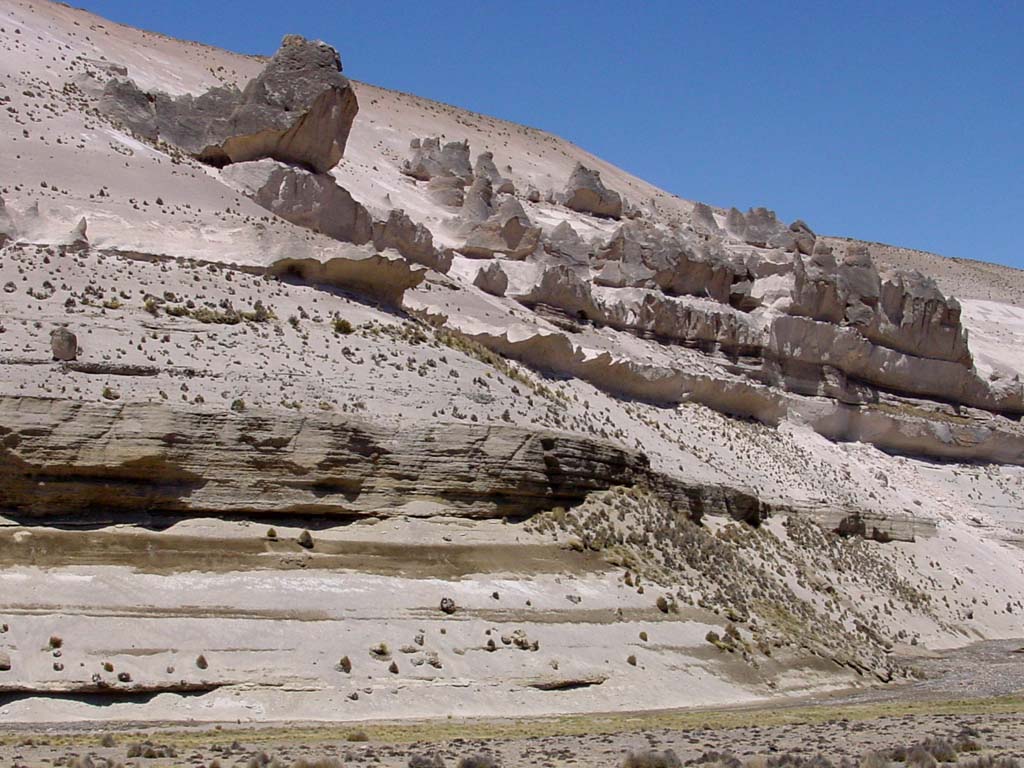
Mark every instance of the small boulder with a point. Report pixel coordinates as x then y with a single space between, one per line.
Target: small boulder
447 605
64 344
586 193
492 279
5 662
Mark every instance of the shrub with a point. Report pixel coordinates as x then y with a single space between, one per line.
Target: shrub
631 660
940 749
342 326
478 760
919 757
651 758
428 760
345 664
56 642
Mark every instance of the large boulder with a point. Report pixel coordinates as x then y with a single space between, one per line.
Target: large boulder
586 193
299 110
430 158
313 201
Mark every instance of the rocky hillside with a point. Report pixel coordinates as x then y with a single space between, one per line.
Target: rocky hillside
335 399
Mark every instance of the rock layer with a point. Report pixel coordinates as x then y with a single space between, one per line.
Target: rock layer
62 458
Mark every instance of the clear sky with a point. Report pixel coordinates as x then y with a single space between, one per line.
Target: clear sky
897 122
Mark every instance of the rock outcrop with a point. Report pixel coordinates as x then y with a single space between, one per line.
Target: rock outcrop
506 232
310 200
431 159
146 458
485 168
381 276
318 203
585 192
491 278
678 265
7 230
299 110
414 241
564 243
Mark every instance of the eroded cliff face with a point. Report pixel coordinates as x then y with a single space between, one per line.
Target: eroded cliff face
78 461
64 458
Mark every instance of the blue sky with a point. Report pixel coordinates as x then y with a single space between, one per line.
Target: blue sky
897 122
